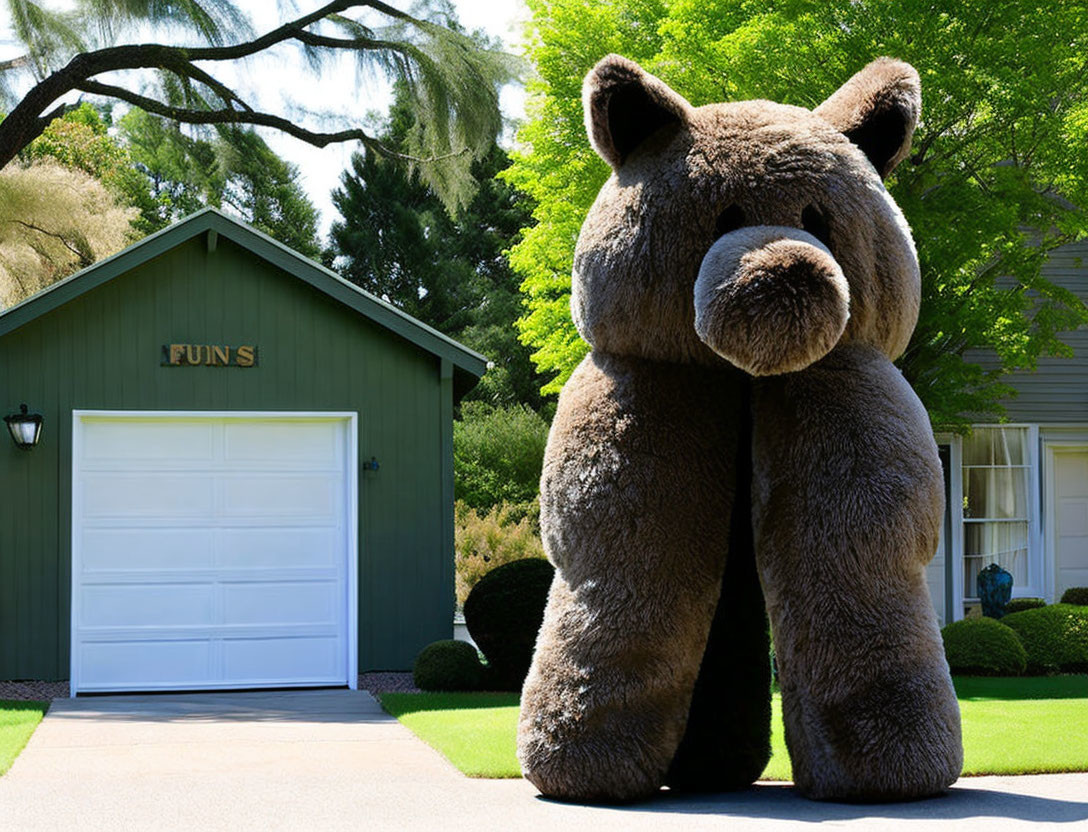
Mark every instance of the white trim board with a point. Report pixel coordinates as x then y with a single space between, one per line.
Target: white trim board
344 472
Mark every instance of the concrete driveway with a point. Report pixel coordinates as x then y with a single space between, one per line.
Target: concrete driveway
317 760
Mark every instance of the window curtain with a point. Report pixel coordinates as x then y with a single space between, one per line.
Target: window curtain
996 480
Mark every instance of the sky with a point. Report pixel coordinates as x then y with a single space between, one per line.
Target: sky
280 84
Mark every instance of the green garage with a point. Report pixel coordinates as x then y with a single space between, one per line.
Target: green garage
242 473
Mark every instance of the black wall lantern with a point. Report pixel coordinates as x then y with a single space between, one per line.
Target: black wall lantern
26 428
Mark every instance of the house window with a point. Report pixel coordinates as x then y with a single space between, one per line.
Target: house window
996 505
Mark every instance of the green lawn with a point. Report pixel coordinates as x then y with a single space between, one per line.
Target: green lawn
17 722
1010 726
475 731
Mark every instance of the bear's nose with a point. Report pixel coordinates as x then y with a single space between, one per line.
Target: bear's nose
771 299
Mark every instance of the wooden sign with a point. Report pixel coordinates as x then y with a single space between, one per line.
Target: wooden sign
208 355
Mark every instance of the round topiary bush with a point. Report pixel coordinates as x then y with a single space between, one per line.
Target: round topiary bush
503 613
1021 604
448 665
983 647
1076 595
1055 637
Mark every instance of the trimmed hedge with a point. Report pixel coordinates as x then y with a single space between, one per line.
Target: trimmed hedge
1076 595
1021 604
1055 637
448 665
503 613
983 647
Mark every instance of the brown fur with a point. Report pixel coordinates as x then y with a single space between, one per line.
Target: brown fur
878 109
641 463
636 521
847 500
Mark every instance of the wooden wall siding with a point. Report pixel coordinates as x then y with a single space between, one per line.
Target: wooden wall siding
102 351
1057 392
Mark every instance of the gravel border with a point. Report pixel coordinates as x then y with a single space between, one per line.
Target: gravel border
387 682
25 691
374 682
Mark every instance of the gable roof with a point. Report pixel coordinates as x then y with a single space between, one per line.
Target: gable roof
467 364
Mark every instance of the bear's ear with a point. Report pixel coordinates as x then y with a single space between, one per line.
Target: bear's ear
625 105
877 110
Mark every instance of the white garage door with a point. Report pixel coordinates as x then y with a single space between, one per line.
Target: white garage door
212 551
1070 512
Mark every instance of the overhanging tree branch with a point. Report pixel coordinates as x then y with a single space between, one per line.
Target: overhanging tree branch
468 81
85 257
15 63
252 117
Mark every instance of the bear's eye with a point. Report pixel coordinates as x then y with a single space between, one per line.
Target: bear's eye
815 223
730 219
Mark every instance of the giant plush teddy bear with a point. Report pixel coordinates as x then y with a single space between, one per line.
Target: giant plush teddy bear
745 282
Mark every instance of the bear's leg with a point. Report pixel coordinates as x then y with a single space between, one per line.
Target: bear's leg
727 742
847 504
635 503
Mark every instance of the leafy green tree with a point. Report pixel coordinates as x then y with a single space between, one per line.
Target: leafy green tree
397 240
389 242
183 172
997 176
497 454
79 140
236 169
264 190
451 81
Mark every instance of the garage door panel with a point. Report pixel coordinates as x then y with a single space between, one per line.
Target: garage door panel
282 603
1073 516
1072 577
145 664
319 546
281 495
271 442
212 633
146 605
1073 553
226 566
141 441
263 659
113 549
158 495
1069 504
1071 474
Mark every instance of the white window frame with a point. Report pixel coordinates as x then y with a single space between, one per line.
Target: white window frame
951 602
954 547
1036 556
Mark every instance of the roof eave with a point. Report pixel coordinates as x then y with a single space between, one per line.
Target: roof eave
209 219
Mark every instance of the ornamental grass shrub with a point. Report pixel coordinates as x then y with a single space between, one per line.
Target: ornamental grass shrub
1055 637
983 647
1076 595
488 539
448 665
1021 604
503 613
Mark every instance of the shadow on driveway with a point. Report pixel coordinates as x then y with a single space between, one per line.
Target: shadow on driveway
311 706
779 801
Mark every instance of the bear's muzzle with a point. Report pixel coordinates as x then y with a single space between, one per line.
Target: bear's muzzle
770 299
